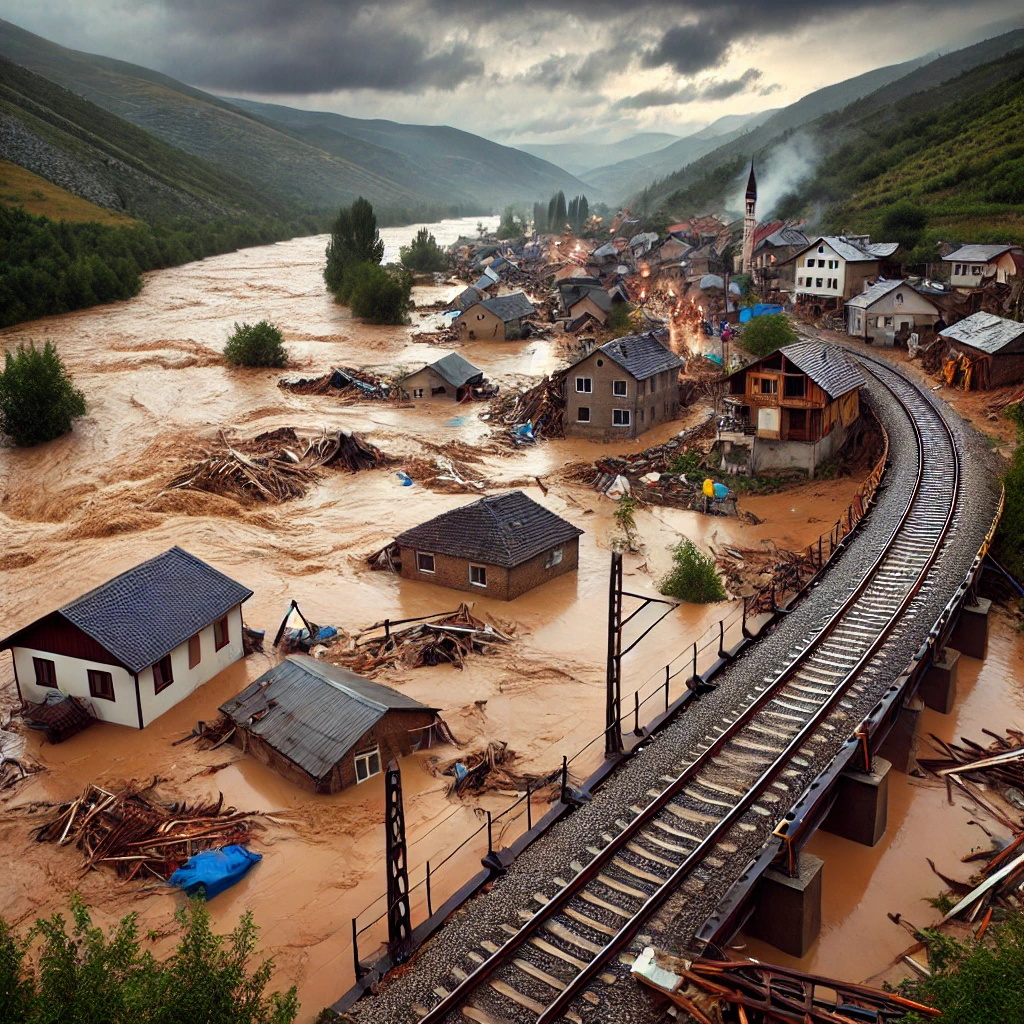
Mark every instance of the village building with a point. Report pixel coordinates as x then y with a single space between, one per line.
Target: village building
136 645
789 410
323 727
622 388
772 251
595 301
986 351
499 319
499 547
833 269
749 221
974 266
889 310
466 298
451 378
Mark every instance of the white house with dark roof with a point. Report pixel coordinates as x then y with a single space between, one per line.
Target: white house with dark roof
837 267
972 266
136 645
887 308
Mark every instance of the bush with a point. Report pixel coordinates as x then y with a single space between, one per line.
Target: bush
380 295
256 345
620 319
90 977
423 254
762 335
904 222
693 576
1009 539
38 400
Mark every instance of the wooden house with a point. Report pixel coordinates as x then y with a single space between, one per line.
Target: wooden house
622 388
499 319
500 547
451 378
323 727
886 310
789 410
136 645
985 351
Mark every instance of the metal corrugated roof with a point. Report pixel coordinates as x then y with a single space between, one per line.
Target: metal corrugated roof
315 712
851 251
985 331
875 292
977 253
828 366
149 610
505 530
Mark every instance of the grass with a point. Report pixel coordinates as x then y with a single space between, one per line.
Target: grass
20 187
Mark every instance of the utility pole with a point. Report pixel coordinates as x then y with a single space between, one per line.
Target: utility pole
613 667
397 866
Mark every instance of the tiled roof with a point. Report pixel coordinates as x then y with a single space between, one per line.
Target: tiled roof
598 296
509 307
641 355
505 530
873 293
147 611
828 366
977 253
312 712
851 251
456 370
985 331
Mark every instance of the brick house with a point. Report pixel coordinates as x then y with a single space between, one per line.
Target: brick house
500 546
622 388
498 319
323 727
451 377
136 645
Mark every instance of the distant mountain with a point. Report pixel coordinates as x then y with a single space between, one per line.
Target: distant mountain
580 157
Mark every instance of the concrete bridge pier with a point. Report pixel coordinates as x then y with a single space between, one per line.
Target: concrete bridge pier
860 811
899 748
938 686
970 635
787 912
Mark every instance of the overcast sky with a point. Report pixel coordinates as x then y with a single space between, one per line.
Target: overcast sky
519 71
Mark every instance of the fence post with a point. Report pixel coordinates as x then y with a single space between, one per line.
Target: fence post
820 563
355 950
490 841
721 638
668 680
695 659
565 778
430 905
636 711
387 628
529 808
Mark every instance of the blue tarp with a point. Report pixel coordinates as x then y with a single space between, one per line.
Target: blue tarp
209 873
761 309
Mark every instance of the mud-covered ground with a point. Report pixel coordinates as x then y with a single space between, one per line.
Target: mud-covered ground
87 506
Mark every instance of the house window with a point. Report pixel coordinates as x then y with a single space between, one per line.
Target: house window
769 386
654 411
817 282
46 672
584 385
888 321
821 248
424 562
641 415
367 764
101 684
808 262
899 298
821 263
795 387
620 417
478 575
583 414
417 392
195 653
833 264
975 271
619 388
162 674
554 559
800 281
220 633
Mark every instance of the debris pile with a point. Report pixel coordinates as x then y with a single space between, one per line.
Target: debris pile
756 570
533 414
346 384
130 831
274 466
491 769
445 475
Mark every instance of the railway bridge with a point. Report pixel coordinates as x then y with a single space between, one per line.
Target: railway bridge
700 831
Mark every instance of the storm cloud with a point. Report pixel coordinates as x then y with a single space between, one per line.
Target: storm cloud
712 89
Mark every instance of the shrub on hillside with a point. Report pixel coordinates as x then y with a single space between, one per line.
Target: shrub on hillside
379 295
91 977
256 345
693 576
764 334
423 254
38 400
620 319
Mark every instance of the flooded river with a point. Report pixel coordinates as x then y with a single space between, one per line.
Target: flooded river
92 504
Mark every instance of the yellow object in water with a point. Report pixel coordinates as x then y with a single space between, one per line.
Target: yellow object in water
709 488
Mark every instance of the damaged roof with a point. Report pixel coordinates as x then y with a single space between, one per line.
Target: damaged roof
828 366
504 530
640 355
312 712
978 253
851 251
149 610
985 332
509 307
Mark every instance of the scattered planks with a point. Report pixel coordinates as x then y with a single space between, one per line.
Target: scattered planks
542 406
755 570
275 466
347 384
136 835
492 769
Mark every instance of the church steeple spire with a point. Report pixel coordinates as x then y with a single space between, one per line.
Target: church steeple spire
749 220
752 183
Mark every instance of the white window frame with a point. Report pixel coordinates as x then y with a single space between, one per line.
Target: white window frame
584 385
473 582
365 758
417 392
582 409
625 416
419 565
554 558
624 393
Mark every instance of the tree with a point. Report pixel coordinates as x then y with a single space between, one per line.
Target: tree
620 319
256 345
540 218
38 400
762 335
625 520
693 576
582 215
904 222
423 254
380 295
512 224
561 217
354 239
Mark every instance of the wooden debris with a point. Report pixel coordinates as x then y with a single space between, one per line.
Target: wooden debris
492 769
542 406
755 570
347 385
136 835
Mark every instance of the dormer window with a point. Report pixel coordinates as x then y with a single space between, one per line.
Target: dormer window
821 248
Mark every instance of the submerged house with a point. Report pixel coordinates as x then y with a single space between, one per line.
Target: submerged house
323 727
136 645
498 319
888 309
500 546
789 410
451 377
985 351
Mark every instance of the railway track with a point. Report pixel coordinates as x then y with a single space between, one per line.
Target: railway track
735 786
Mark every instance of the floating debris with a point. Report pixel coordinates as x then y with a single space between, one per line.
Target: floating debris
540 408
346 384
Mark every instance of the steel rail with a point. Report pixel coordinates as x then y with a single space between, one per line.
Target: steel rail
573 989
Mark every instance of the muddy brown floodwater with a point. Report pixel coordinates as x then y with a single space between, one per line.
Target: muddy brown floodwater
87 506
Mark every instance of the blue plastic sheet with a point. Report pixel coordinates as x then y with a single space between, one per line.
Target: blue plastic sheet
209 873
761 309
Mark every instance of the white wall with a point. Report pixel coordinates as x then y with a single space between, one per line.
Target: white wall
73 678
837 273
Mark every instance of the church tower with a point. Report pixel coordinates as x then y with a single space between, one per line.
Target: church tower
749 221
